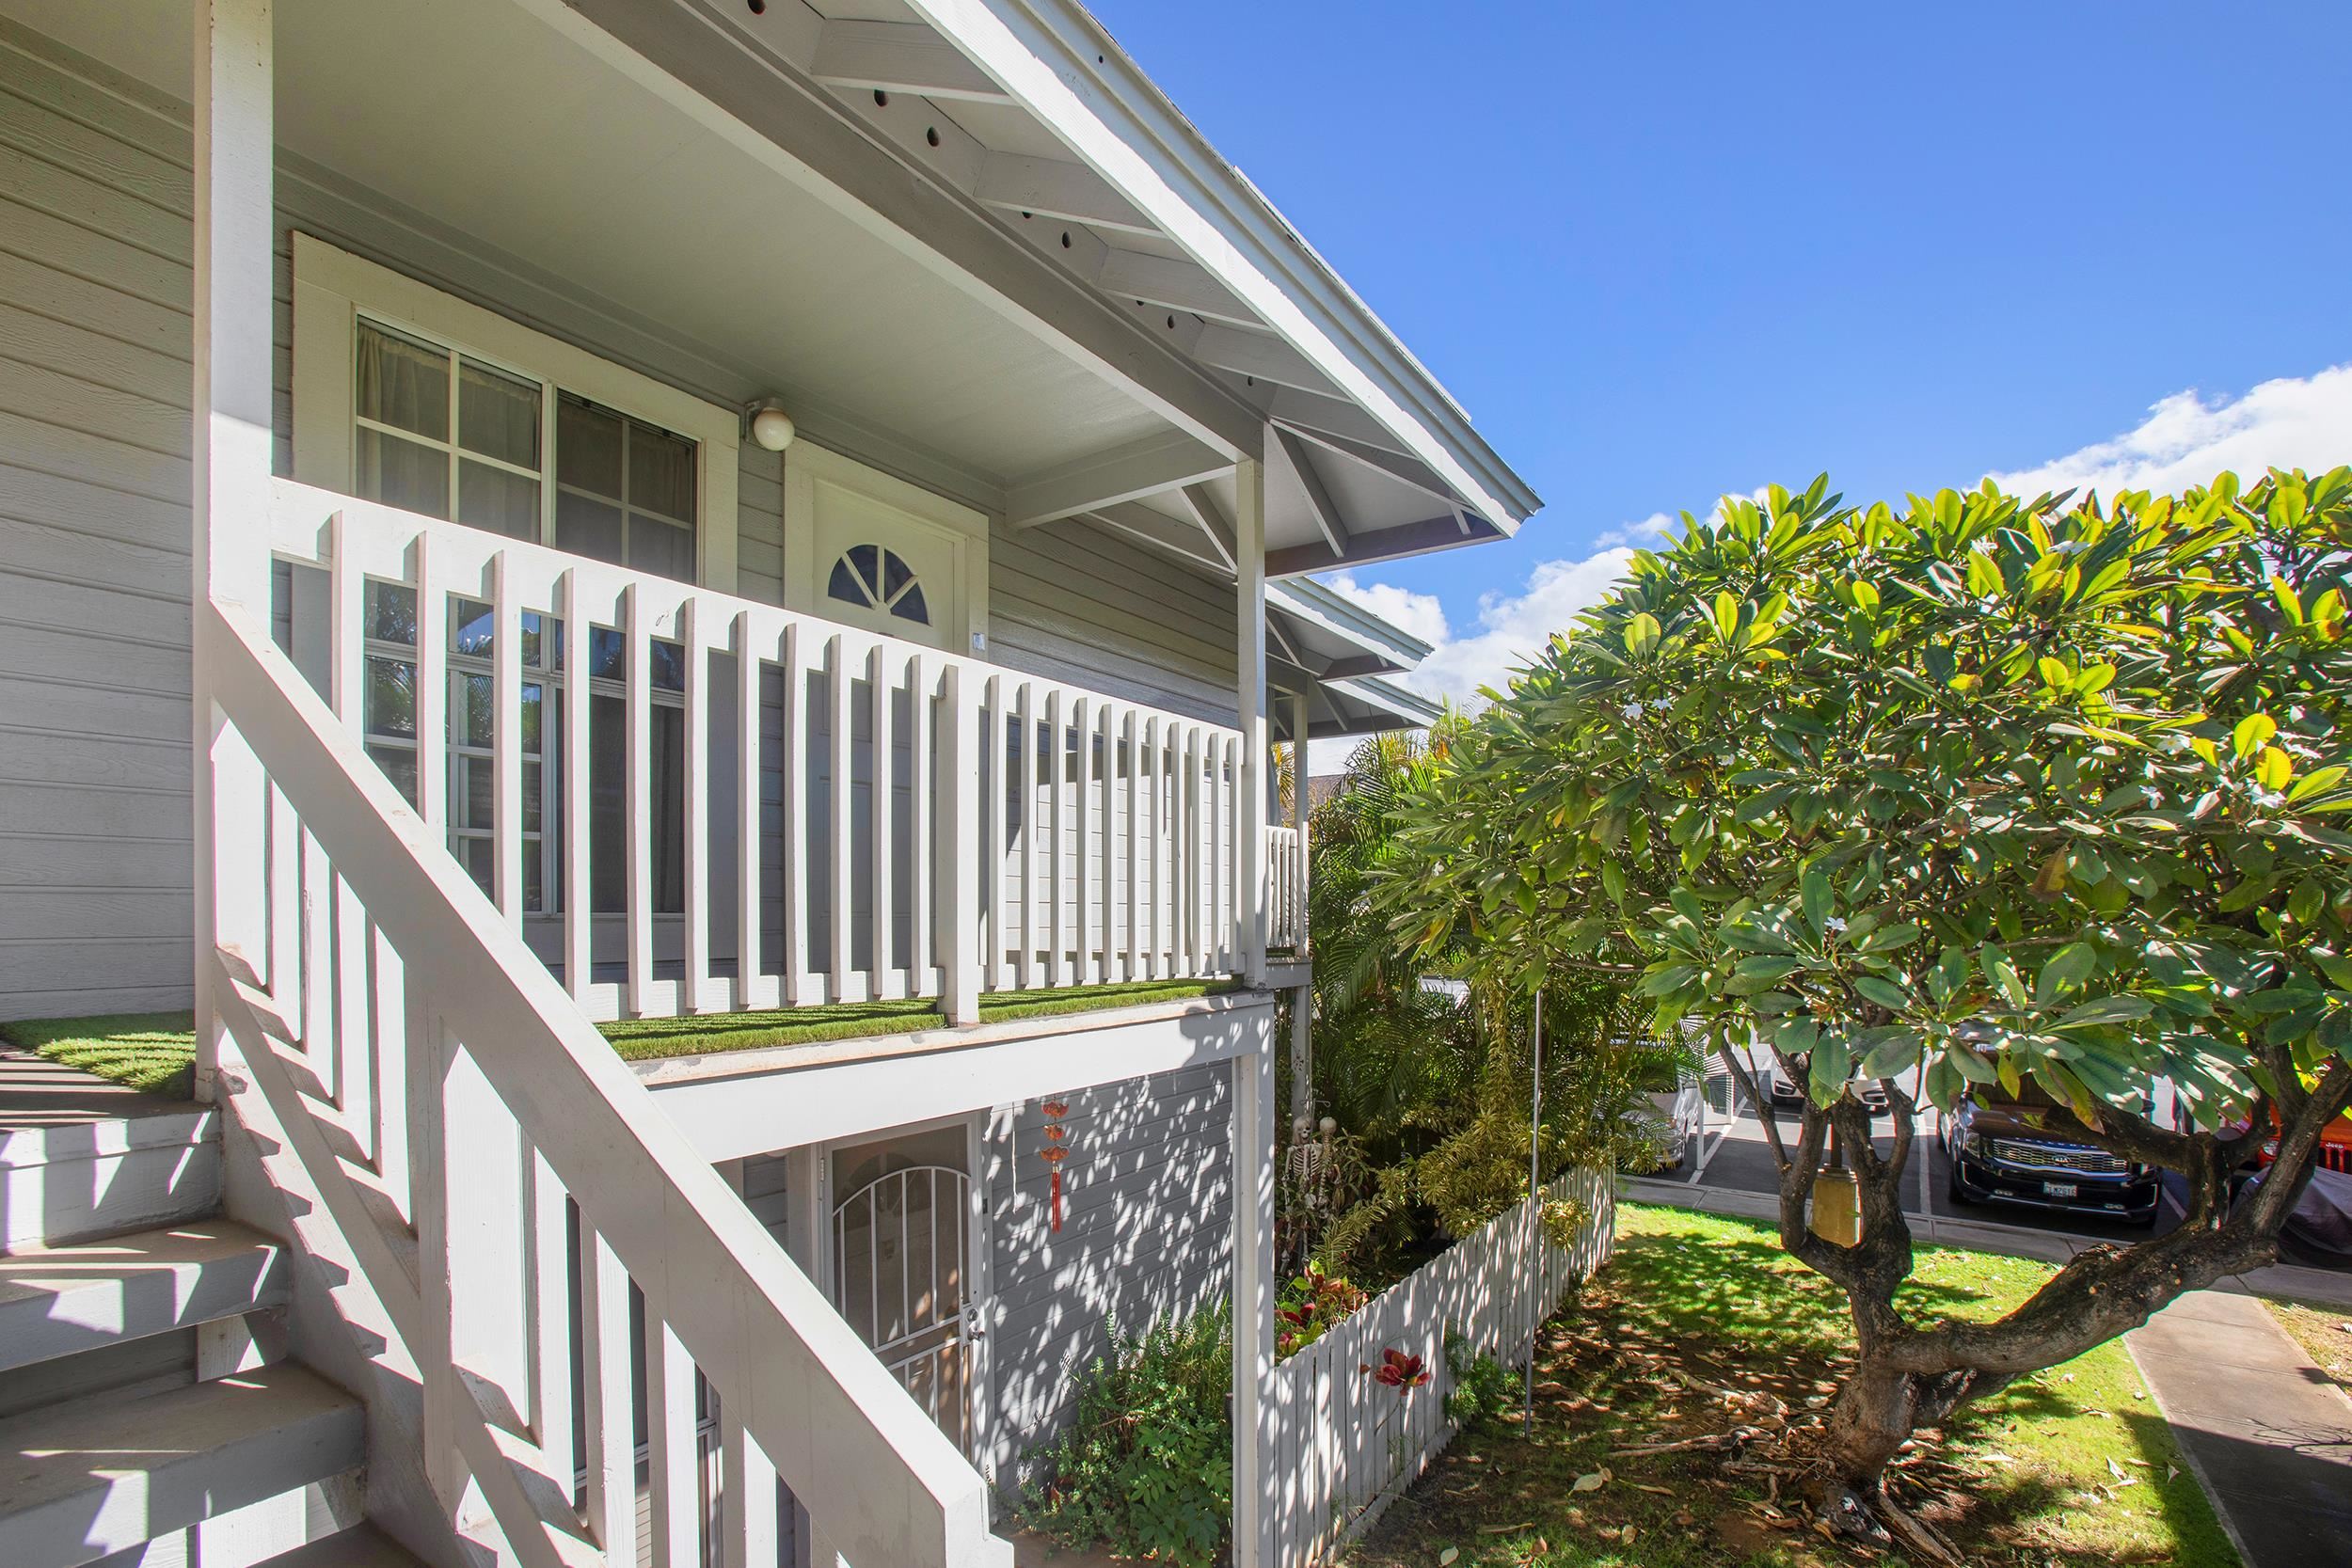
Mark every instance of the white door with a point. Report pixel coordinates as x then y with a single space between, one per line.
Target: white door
880 566
902 1269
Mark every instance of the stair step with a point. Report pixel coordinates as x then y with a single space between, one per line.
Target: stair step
360 1547
94 1476
58 1301
76 1181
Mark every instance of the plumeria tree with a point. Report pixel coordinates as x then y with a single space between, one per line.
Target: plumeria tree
1977 790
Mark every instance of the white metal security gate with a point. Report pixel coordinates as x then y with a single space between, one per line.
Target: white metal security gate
899 1251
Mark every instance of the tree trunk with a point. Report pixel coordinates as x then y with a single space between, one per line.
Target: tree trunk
1869 1423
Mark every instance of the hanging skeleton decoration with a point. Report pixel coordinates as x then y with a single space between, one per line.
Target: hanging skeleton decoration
1057 1149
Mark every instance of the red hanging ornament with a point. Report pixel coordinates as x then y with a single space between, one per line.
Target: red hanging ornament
1056 1151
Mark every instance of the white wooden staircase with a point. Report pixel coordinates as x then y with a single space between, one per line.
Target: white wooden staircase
147 1417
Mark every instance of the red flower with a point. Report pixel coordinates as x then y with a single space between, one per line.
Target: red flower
1399 1372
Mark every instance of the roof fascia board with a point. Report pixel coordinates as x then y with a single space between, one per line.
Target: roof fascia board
1327 608
1056 60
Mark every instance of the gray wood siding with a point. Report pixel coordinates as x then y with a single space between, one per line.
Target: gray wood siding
1081 604
95 375
1146 1231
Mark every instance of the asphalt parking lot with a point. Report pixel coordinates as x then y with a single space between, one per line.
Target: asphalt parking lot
1734 1156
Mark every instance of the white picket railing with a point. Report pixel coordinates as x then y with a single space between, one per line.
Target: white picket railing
998 830
508 1212
1348 1445
1286 888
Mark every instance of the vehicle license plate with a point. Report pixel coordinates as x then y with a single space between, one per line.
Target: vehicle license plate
2058 1189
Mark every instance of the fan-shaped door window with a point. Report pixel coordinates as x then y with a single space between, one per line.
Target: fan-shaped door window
873 578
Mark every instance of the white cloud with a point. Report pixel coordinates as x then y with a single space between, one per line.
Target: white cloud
1512 627
2294 422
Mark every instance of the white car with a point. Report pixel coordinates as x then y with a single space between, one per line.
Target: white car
1681 1116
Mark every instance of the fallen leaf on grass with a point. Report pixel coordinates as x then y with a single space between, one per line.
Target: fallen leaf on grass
1505 1529
1446 1558
2172 1474
1659 1491
1592 1483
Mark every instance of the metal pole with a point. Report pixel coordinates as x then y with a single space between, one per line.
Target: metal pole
1535 1193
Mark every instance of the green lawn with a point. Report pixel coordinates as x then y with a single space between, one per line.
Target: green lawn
2074 1467
154 1051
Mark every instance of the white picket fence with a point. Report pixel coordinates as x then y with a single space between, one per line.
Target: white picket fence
1346 1445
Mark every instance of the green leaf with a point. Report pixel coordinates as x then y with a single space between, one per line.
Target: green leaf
2251 734
1890 939
2067 969
1827 1072
1891 1052
1726 614
2317 782
2106 1009
1821 895
1970 1064
1642 633
2002 975
1886 993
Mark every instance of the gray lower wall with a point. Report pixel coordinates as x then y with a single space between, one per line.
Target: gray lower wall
95 373
1147 1230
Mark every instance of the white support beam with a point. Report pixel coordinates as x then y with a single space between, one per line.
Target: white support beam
1261 356
1249 694
1388 544
1405 471
1320 506
1255 1479
1179 285
229 446
1140 468
1200 501
1056 188
1182 540
900 57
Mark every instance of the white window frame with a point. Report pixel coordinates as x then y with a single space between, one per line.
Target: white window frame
333 289
959 611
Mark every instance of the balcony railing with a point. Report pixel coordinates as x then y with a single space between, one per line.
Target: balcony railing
1286 889
861 818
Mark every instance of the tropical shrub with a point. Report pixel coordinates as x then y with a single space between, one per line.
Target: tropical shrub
1146 1467
1308 1304
1483 1389
1982 789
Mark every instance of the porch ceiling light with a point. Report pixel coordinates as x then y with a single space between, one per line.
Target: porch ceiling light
770 426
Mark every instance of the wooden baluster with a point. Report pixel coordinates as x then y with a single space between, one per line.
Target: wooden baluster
1083 715
610 1408
1131 749
346 627
283 881
432 688
1218 856
922 868
747 1497
579 803
1057 826
354 1034
792 862
693 632
994 851
839 820
671 1464
1104 963
752 989
549 1315
428 1058
879 819
316 1019
964 846
637 712
1153 736
1195 923
387 981
506 738
1031 833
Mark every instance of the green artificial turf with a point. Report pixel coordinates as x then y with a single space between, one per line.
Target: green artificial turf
155 1052
642 1039
150 1052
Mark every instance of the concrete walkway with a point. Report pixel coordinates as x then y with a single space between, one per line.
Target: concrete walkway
2266 1434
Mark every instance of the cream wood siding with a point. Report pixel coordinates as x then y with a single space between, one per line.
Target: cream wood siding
95 375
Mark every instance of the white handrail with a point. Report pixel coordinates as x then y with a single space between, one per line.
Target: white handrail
494 1097
1101 846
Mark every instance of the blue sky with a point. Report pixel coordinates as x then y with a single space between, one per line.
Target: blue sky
1664 251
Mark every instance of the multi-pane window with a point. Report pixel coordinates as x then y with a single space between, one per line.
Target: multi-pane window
391 717
440 432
